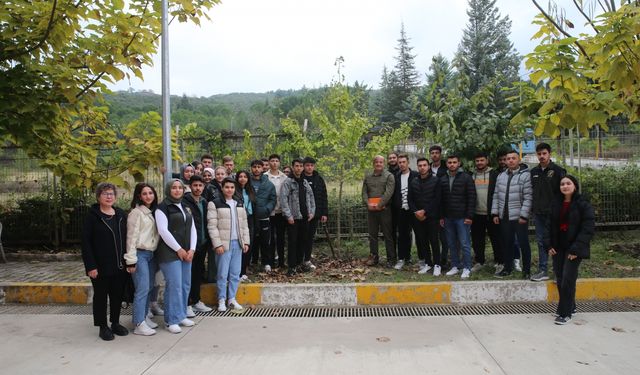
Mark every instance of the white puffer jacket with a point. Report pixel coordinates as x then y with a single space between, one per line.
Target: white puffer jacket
141 233
219 224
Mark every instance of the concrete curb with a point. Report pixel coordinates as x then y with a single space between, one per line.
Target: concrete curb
457 292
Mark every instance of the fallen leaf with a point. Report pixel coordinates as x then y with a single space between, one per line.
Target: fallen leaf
618 329
383 339
608 262
623 268
583 363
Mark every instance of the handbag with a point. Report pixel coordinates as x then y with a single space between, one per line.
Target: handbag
128 290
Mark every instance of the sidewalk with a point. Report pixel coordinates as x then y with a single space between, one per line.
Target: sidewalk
65 282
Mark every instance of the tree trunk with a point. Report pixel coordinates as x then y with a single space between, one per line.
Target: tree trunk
339 217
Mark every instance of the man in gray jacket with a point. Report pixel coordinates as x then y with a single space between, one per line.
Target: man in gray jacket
511 209
298 208
377 191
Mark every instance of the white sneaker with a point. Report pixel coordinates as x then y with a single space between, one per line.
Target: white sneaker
143 329
424 269
399 265
465 273
267 268
311 266
174 328
421 263
149 314
190 313
156 309
499 268
436 270
452 271
235 305
244 278
187 322
516 265
221 306
200 307
151 323
477 267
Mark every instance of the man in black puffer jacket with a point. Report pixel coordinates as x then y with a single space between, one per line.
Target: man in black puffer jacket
322 207
458 208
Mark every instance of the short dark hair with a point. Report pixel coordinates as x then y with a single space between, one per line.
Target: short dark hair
403 156
136 195
435 147
296 160
394 153
229 180
481 154
263 160
274 156
256 162
103 186
422 159
206 156
512 151
502 152
453 156
308 160
227 158
543 146
195 178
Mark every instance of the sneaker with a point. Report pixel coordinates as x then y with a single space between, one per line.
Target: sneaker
267 268
499 268
235 305
437 270
149 314
452 271
310 265
502 274
399 264
105 333
372 260
221 306
156 309
187 322
526 276
424 269
174 328
477 267
201 307
244 279
151 324
119 330
465 273
540 276
421 263
190 313
562 320
143 329
516 265
291 272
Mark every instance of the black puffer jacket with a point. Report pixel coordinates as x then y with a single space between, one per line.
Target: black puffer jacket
397 192
201 225
103 248
582 226
425 194
459 202
319 193
546 187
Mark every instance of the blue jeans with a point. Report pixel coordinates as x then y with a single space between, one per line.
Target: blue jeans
143 279
177 277
458 231
541 221
229 264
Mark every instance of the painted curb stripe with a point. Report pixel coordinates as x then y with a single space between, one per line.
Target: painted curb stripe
406 293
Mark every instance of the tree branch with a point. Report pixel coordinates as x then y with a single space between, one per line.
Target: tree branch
560 29
44 37
585 16
93 82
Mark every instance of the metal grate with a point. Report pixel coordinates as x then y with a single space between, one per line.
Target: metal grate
352 312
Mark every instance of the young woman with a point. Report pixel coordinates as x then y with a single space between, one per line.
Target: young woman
198 167
229 232
175 252
287 170
248 196
142 241
572 226
209 189
186 171
103 245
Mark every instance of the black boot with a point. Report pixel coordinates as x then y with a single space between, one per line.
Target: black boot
119 330
105 333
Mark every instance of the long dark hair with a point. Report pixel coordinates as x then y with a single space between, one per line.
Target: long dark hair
136 195
573 179
248 187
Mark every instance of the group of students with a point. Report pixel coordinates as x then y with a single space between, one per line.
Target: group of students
234 219
451 211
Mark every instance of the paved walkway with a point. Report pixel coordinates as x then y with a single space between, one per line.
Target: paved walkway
43 272
594 343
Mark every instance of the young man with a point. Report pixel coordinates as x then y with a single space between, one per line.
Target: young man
484 178
322 207
437 169
207 161
265 165
195 202
424 203
276 221
392 167
227 162
377 192
265 202
298 208
545 183
458 207
392 163
405 221
511 209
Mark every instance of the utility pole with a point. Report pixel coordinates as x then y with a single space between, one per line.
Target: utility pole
166 95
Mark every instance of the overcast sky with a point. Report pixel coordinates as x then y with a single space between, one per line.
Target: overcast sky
264 45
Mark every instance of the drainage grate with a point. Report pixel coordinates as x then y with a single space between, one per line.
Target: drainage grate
353 312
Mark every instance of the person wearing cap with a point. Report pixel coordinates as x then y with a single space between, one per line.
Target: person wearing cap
319 189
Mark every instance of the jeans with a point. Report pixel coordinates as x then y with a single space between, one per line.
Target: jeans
459 232
143 279
197 270
229 264
541 221
177 276
509 229
427 241
277 227
252 255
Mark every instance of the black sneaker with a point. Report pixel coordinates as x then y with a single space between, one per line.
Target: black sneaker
119 330
526 276
502 274
105 333
291 272
562 320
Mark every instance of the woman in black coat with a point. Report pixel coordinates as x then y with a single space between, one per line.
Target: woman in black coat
572 226
104 236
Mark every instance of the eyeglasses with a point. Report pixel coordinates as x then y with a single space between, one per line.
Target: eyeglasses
108 194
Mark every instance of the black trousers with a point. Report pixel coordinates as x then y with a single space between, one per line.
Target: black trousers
212 268
311 234
250 256
112 287
277 228
406 222
479 228
197 269
509 229
297 233
444 255
566 276
427 240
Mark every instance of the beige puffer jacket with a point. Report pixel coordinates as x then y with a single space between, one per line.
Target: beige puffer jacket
141 233
219 224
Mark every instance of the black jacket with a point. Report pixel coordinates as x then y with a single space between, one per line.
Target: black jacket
397 191
582 226
459 202
425 194
103 248
201 225
546 187
442 171
319 193
212 191
265 197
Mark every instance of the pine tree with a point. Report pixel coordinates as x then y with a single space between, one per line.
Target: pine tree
405 68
